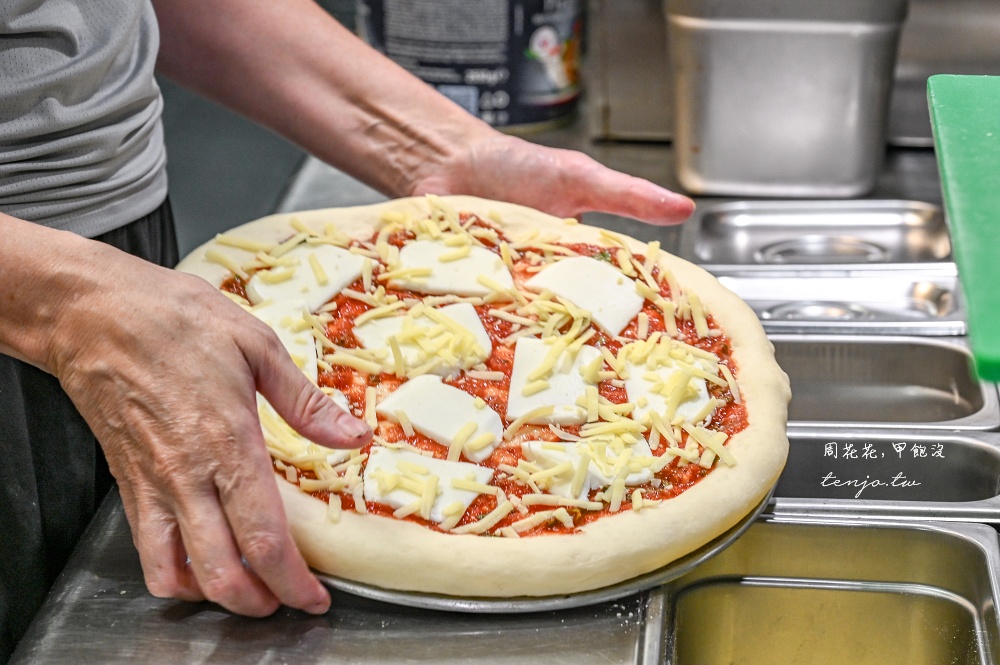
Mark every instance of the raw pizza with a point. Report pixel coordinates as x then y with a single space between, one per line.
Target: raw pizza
556 408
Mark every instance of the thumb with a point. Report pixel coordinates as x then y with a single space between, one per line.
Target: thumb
304 406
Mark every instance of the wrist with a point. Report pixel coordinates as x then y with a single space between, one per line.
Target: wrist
46 275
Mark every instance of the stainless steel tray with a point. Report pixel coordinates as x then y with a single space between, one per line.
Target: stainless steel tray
891 382
899 303
650 580
853 267
826 591
814 236
903 475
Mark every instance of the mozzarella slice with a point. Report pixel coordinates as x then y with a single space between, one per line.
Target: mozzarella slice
595 286
337 269
459 276
340 399
599 471
440 411
375 334
287 319
650 384
386 462
565 383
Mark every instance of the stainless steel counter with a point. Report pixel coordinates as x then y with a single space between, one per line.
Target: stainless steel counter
99 610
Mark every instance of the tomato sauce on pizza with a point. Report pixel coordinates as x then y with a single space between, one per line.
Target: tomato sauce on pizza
727 417
569 393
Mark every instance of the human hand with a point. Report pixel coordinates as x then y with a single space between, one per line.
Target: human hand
561 182
167 382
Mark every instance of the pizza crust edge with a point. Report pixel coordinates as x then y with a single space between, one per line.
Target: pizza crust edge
402 555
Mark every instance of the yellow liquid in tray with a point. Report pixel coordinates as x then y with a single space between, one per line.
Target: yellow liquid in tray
757 623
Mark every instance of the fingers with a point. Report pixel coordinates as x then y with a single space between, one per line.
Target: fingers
240 518
223 538
215 560
252 505
302 405
561 182
600 189
623 195
161 553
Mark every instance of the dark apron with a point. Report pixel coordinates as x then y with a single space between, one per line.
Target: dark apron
52 471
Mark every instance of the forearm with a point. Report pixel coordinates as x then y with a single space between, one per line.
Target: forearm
293 68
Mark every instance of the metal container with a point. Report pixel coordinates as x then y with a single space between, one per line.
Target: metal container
800 591
781 97
884 382
953 36
786 237
895 304
628 87
903 474
865 266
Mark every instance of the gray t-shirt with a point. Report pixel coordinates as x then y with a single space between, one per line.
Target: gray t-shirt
81 144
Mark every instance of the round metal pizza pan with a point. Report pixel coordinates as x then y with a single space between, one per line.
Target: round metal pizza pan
671 571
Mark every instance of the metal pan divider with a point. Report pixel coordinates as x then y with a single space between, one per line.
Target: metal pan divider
908 474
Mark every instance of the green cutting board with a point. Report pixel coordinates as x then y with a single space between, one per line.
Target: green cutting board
965 116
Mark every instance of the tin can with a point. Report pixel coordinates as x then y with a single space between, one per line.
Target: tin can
512 63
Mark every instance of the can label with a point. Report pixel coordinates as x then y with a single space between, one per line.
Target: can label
508 62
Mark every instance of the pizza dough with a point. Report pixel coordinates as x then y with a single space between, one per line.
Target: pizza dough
407 554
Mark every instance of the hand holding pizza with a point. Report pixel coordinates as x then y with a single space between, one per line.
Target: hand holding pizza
167 382
563 183
182 437
181 434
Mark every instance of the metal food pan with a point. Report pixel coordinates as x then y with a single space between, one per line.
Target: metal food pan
795 590
817 236
885 304
884 382
781 97
905 474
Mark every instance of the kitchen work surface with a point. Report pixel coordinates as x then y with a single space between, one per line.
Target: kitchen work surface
966 122
913 593
101 612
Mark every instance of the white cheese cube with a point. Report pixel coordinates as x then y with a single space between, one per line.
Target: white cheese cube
339 266
340 399
602 461
639 384
595 286
375 334
565 384
287 319
459 276
386 461
440 411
